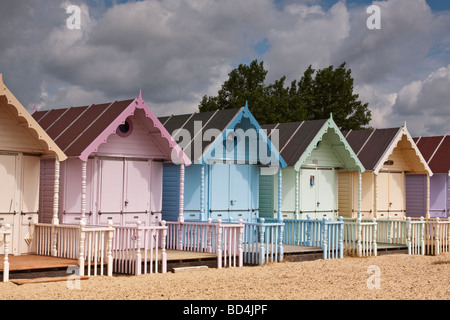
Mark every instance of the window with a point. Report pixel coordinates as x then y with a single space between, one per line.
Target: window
125 129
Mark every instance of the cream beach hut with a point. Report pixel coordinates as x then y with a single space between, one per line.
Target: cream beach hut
23 144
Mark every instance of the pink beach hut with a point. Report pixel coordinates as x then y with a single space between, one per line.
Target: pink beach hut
115 152
23 144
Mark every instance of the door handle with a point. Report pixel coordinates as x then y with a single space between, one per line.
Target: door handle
126 203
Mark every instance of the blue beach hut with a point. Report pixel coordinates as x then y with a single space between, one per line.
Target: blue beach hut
228 150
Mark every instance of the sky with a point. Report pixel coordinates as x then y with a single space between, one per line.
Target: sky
177 51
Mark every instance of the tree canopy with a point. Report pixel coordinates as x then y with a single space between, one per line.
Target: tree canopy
314 96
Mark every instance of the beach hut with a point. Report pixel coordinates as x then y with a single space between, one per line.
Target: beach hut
115 152
436 152
23 143
227 149
315 152
387 155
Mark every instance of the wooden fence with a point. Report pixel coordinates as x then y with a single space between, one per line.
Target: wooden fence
365 235
327 234
5 241
90 245
140 249
223 239
360 237
436 235
263 242
405 231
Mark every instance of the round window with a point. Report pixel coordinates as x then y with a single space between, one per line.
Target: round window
125 129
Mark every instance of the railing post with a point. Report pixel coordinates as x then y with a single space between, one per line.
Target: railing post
109 248
209 231
374 241
82 238
280 240
388 229
408 235
138 262
422 231
180 233
358 236
324 238
6 239
341 238
163 245
436 237
308 231
241 250
261 242
219 243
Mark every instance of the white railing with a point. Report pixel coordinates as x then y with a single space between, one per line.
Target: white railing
5 241
360 237
140 249
90 245
436 235
223 239
405 231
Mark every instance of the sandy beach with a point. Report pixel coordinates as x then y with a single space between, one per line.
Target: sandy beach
386 277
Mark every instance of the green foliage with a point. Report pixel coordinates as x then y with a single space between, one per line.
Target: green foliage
317 94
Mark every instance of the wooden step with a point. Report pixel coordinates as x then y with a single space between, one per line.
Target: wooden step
46 279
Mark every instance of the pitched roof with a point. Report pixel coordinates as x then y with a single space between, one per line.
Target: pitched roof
371 144
436 151
46 145
79 131
374 146
193 126
298 139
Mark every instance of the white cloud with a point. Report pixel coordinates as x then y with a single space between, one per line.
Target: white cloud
176 51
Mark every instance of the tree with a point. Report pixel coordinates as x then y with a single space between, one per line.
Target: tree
314 96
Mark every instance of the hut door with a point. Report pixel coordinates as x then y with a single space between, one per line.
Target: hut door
308 193
8 193
219 191
390 194
239 204
325 198
30 203
111 190
136 205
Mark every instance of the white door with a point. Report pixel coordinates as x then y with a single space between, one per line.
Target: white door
8 195
124 191
326 196
136 204
308 191
30 203
111 191
390 195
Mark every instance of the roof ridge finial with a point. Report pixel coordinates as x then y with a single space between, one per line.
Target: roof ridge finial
246 104
34 109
